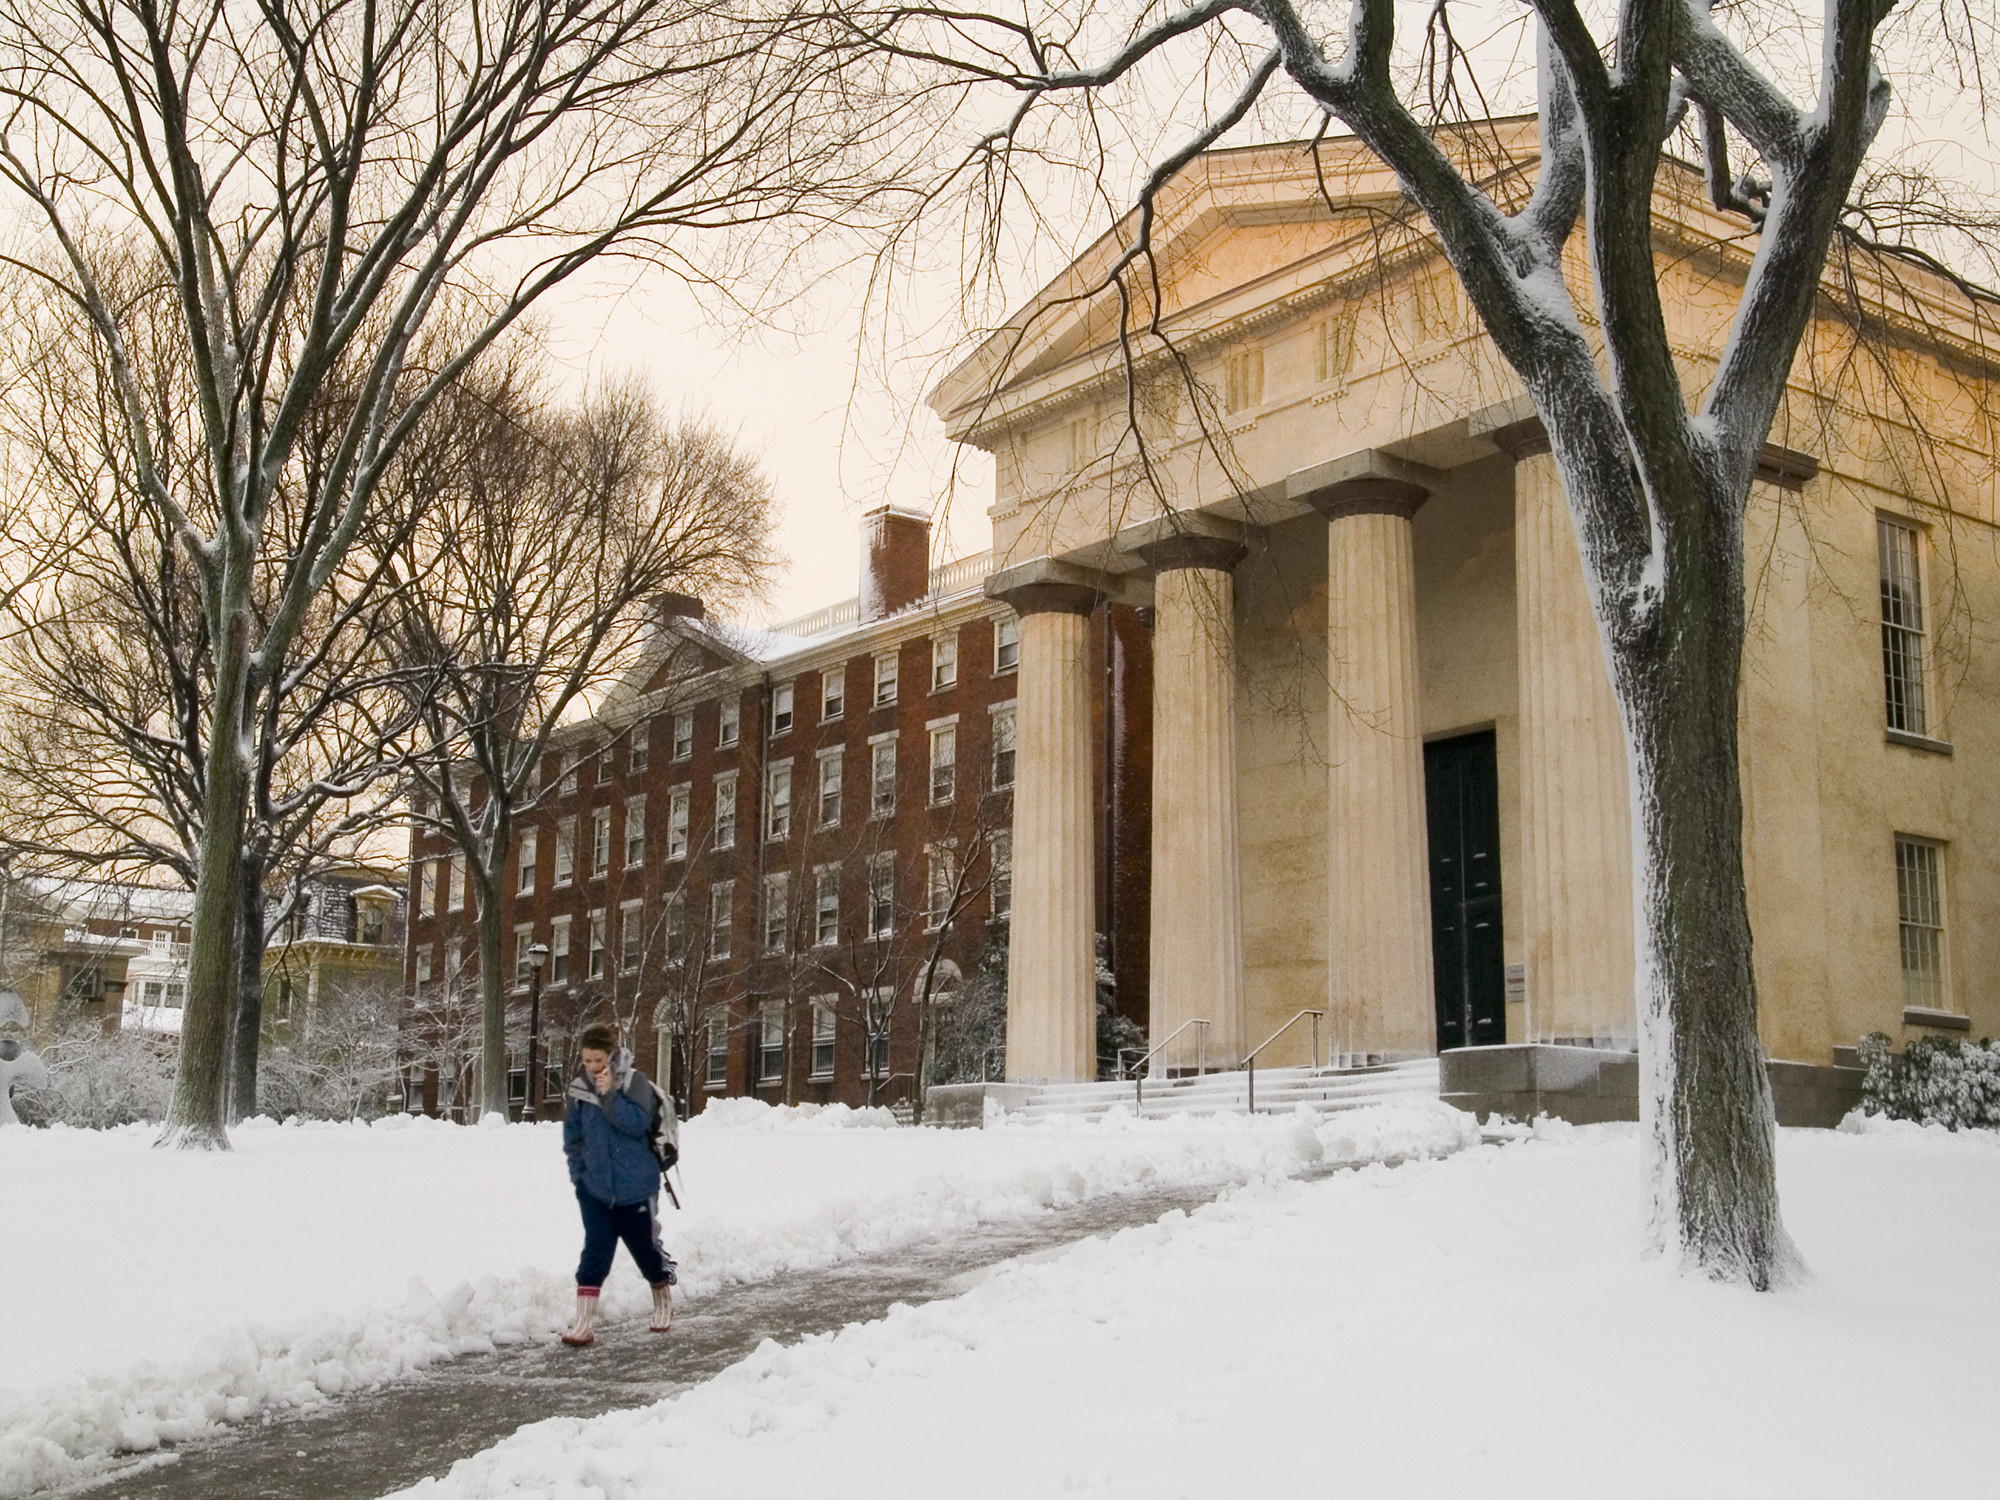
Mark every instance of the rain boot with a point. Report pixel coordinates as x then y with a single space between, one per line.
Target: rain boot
581 1332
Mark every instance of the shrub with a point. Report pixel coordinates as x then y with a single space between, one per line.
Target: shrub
1934 1081
100 1079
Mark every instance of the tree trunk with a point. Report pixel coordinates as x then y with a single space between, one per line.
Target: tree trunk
195 1115
1705 1101
492 995
249 994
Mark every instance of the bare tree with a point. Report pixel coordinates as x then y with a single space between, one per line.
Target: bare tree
1657 476
295 195
531 579
109 667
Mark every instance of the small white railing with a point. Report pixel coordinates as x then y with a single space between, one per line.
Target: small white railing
950 578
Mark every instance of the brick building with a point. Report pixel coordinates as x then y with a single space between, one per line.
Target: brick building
768 847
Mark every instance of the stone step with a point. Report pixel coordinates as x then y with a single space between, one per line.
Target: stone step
1279 1090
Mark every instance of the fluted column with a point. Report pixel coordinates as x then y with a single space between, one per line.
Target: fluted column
1378 872
1576 817
1196 965
1052 948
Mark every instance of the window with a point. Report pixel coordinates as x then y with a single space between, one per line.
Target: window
677 823
524 971
151 993
161 940
718 1051
677 929
1243 380
635 752
684 735
881 1006
944 662
635 832
826 905
829 789
559 951
429 873
721 911
600 763
631 935
1920 916
176 994
725 811
823 1023
422 983
778 801
881 895
457 883
882 758
943 885
565 851
832 692
1006 643
1902 626
770 1040
944 762
1003 749
594 957
781 708
776 911
600 841
885 679
524 883
1003 873
568 787
731 727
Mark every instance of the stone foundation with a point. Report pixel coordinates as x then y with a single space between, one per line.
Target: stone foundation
963 1106
1590 1085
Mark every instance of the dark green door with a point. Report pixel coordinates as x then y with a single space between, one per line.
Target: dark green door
1462 798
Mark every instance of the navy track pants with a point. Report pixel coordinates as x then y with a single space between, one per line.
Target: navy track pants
637 1224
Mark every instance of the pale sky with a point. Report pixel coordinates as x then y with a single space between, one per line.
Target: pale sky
833 440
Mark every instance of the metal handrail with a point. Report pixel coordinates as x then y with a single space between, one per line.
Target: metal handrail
1250 1058
1201 1058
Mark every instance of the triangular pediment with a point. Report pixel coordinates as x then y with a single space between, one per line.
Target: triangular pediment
1234 228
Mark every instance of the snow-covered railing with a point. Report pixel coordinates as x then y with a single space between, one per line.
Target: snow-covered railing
950 578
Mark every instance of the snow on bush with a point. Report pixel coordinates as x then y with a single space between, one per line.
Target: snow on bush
1934 1081
100 1080
65 1432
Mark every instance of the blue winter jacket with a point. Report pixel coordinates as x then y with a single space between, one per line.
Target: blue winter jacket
605 1136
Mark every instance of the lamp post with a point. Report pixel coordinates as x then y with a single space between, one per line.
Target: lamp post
538 954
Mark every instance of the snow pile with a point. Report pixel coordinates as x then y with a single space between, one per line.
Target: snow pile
744 1113
1478 1325
167 1295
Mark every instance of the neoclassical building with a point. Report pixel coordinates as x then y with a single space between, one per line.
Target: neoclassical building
1387 772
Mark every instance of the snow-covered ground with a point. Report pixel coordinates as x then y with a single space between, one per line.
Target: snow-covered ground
149 1296
1480 1325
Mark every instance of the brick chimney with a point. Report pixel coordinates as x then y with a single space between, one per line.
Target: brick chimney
895 561
670 607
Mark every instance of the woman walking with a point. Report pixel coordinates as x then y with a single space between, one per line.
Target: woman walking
615 1124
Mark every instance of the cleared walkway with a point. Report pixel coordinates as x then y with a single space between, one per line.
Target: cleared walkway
366 1445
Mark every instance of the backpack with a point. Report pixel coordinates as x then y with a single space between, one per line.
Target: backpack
663 1133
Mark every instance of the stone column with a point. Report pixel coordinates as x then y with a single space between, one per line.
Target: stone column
1576 817
1378 868
1197 902
1052 947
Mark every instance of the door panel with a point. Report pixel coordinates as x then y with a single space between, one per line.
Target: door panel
1468 956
